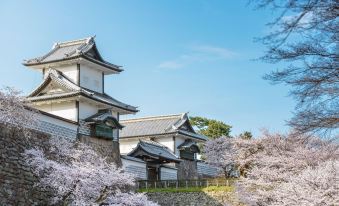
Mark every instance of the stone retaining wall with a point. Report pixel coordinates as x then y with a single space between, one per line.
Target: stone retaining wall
194 198
187 170
16 178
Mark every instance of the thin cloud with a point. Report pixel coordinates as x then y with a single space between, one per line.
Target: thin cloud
215 51
170 65
198 54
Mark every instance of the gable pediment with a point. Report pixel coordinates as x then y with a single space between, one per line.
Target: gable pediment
54 83
186 126
94 53
52 88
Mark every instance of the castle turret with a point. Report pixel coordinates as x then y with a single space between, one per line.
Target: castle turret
73 86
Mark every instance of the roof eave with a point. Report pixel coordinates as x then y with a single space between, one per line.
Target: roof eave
114 68
146 135
195 136
51 97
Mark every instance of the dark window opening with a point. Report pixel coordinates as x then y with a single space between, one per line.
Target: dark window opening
186 154
102 130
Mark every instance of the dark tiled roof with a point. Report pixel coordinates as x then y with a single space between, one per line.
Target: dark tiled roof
193 135
149 126
73 90
155 149
132 158
158 125
84 48
188 144
103 116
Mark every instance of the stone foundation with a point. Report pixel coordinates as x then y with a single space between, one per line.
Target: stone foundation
16 177
108 148
194 198
187 170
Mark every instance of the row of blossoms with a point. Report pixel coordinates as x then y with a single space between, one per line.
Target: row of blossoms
75 173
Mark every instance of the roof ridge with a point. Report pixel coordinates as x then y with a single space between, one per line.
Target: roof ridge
73 42
152 118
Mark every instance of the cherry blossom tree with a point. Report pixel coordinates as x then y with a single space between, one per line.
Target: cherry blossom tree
277 162
313 186
14 110
74 172
221 152
79 176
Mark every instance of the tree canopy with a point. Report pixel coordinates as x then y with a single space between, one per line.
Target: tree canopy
279 169
305 36
246 135
210 127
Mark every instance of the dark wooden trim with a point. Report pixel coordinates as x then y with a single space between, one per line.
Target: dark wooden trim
78 112
103 83
78 69
146 170
174 148
118 133
158 168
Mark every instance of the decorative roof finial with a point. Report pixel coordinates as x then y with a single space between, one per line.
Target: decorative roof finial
56 44
90 39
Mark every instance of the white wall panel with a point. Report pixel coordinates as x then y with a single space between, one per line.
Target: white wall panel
66 110
91 78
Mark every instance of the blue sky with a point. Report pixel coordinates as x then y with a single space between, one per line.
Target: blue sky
192 56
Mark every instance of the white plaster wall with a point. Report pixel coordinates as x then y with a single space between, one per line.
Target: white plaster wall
66 110
138 169
69 71
167 141
127 145
91 78
116 131
116 134
168 173
86 109
178 141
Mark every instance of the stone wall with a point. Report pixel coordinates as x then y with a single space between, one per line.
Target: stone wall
106 147
187 169
195 198
16 177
